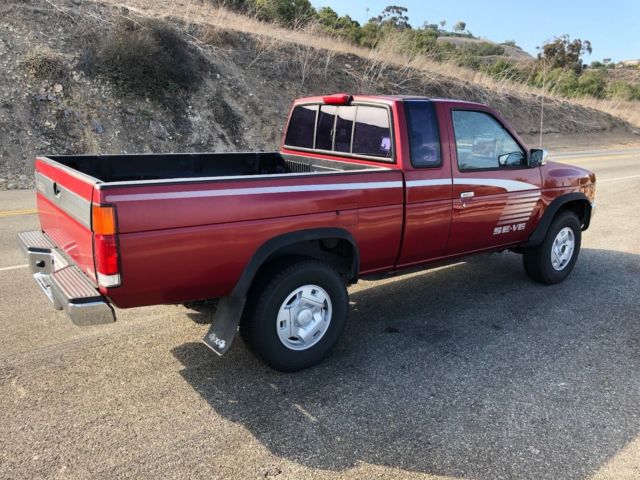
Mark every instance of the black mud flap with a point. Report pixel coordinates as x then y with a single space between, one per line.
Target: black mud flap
225 323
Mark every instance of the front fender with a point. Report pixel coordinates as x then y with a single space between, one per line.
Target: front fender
539 234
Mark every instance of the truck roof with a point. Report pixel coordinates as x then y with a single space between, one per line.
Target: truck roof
382 98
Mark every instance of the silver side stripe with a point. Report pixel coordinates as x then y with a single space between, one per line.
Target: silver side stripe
434 182
508 185
509 210
525 201
515 215
228 192
521 205
525 196
519 208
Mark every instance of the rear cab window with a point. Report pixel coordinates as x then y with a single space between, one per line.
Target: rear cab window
372 132
324 129
356 130
302 126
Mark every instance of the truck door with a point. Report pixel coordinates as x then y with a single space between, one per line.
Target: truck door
495 194
428 183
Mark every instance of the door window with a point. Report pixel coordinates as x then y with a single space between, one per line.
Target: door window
483 143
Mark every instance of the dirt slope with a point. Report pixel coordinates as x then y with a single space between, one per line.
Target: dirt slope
52 102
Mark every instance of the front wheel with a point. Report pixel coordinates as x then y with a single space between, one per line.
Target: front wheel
296 314
553 260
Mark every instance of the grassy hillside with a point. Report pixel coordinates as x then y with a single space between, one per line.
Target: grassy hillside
100 77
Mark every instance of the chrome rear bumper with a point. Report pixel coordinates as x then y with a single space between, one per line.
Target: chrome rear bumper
66 286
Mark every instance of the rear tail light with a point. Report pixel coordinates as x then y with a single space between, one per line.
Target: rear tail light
103 219
105 245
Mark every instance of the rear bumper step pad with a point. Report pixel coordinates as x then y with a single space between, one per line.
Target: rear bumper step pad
64 284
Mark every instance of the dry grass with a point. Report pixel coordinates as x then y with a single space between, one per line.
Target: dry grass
306 40
629 111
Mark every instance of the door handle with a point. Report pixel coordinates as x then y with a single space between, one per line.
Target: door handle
467 195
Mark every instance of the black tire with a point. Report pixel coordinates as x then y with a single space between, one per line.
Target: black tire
269 292
538 260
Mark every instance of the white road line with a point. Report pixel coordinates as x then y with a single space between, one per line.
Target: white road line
14 267
617 179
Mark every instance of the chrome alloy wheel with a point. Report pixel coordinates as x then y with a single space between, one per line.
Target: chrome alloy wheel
562 249
304 317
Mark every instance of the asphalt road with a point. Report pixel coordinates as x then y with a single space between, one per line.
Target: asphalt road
467 371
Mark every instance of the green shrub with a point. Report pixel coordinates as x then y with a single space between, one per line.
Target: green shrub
285 12
592 83
621 90
343 27
504 69
420 42
463 59
370 35
482 49
568 83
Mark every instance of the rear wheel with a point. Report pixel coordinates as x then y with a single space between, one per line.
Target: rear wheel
553 260
296 313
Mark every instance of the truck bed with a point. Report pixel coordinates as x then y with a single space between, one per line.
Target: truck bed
125 168
183 218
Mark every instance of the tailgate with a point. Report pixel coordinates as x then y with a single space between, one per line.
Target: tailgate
64 200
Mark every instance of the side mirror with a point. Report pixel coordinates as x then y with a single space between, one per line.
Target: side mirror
537 157
513 159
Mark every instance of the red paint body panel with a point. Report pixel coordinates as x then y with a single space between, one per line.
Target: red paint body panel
428 207
474 219
141 208
180 241
72 236
80 186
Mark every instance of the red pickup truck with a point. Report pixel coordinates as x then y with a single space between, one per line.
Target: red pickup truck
362 185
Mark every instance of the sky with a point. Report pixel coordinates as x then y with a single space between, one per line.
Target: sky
612 26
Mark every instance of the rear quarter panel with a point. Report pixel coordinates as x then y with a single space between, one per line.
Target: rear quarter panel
192 240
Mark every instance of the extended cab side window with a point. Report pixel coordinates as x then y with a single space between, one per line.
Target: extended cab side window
302 126
483 143
424 137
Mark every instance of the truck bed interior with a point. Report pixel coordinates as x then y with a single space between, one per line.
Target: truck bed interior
121 168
